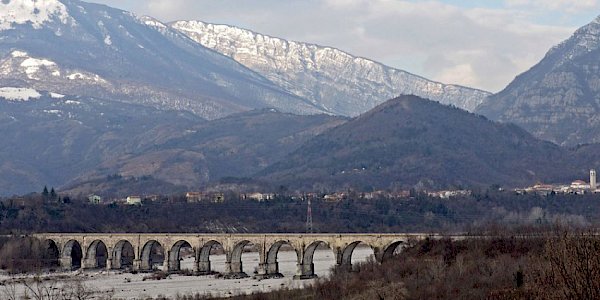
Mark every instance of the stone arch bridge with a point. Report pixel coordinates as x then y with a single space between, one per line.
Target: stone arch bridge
138 251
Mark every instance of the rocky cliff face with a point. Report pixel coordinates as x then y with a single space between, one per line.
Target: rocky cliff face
559 98
342 83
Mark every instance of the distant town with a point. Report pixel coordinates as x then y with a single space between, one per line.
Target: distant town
219 197
577 187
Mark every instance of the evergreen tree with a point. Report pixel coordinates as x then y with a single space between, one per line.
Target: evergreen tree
45 192
52 194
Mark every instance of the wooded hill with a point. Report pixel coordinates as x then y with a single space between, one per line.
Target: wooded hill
412 142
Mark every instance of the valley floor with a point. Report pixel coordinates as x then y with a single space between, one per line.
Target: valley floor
119 285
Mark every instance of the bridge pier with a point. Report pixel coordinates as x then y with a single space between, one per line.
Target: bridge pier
273 270
268 270
343 257
172 259
137 265
305 271
109 263
166 265
66 263
115 263
233 270
89 263
379 254
202 267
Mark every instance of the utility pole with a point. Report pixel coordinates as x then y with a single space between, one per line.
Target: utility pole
309 221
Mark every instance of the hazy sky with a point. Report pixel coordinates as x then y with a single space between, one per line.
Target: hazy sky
482 44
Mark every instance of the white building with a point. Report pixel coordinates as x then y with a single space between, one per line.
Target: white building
593 179
260 196
95 199
134 200
580 185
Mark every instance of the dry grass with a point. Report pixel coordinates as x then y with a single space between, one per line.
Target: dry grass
560 265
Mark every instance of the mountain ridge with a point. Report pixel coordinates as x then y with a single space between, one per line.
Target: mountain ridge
410 142
315 74
558 98
109 53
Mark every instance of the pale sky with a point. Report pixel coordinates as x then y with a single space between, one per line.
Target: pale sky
481 44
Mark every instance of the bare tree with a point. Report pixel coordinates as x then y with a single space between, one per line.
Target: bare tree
77 290
572 266
9 289
52 289
42 289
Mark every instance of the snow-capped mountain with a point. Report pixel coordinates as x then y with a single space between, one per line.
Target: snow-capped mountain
78 48
344 84
558 99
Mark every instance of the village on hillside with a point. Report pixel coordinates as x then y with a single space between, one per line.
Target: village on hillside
577 187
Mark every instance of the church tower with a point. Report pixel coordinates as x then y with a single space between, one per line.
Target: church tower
593 179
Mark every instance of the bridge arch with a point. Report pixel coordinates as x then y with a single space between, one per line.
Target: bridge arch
345 255
309 252
175 254
52 254
152 254
123 255
72 255
272 264
306 269
203 256
206 248
388 251
274 250
97 255
235 259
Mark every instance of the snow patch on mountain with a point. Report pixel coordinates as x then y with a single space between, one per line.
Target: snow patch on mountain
82 76
34 12
107 40
19 94
18 53
583 41
53 111
56 95
43 69
33 65
151 22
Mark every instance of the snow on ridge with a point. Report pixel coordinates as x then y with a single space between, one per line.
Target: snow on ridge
34 12
19 94
32 65
18 53
85 76
56 95
151 22
360 83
